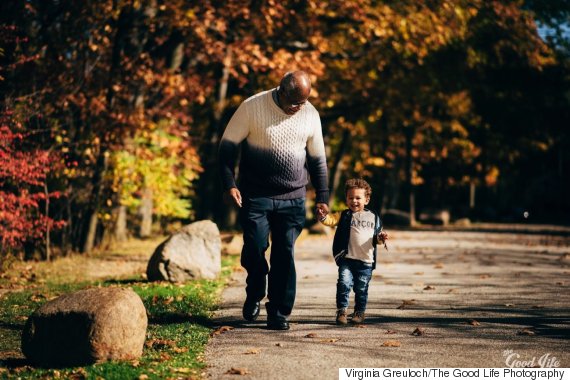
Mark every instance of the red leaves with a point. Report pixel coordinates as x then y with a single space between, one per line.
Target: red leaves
23 194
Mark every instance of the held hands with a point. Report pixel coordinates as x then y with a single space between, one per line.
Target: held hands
322 211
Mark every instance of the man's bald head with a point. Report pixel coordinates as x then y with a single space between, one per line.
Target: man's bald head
294 90
296 84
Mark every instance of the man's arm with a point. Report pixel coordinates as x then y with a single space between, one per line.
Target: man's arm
317 163
235 133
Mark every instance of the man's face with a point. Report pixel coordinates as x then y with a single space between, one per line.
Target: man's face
356 199
292 103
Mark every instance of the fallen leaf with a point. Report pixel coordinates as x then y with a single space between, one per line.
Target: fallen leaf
168 301
164 357
484 276
221 330
419 273
159 344
180 350
311 335
526 332
406 303
453 290
429 287
390 332
391 343
419 331
279 344
183 370
237 371
438 266
143 377
253 351
330 340
473 322
510 305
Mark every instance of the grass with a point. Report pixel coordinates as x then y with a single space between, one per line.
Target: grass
179 328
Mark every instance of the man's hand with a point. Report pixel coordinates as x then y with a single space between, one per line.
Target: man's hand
233 195
322 210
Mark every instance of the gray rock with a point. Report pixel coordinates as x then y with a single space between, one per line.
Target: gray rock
463 222
85 327
194 252
435 217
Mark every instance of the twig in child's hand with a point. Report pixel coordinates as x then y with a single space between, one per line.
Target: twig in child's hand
383 238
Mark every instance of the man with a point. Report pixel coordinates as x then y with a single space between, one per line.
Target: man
280 136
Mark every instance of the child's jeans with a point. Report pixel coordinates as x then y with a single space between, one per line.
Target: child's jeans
353 273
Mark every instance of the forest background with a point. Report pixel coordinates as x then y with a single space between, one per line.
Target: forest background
111 111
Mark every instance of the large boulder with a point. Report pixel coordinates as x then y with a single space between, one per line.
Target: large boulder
85 327
438 217
194 252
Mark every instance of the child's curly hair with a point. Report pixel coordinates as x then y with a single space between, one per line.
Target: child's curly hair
358 183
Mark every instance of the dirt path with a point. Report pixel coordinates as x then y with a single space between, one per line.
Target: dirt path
482 300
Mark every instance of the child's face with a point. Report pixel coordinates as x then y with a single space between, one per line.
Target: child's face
356 199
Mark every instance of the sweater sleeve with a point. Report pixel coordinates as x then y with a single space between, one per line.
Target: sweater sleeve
332 219
236 131
317 162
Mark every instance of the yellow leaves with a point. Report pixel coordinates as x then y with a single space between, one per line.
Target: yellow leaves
376 161
492 176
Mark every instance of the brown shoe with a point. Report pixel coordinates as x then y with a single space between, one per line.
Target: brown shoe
358 317
341 318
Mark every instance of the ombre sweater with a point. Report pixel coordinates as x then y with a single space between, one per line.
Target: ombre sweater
277 150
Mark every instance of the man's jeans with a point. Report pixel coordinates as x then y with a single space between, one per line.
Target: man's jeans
353 273
284 219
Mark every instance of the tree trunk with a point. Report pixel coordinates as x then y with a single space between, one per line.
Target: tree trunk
121 226
472 189
94 202
409 132
146 213
48 230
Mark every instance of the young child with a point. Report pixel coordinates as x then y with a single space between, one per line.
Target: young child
354 248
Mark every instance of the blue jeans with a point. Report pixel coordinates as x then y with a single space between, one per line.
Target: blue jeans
284 219
353 273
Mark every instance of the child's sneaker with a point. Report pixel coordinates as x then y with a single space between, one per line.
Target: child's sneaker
341 318
358 317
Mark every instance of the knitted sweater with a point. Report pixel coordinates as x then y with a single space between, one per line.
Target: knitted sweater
277 150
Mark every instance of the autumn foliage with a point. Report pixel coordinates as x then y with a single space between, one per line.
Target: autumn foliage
24 196
444 100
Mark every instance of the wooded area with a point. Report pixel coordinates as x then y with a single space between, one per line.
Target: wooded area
111 111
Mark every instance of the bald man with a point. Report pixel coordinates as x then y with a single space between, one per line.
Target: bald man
279 132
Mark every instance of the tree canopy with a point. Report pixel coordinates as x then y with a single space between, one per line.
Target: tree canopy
432 99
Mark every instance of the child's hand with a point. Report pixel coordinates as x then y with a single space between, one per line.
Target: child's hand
383 236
